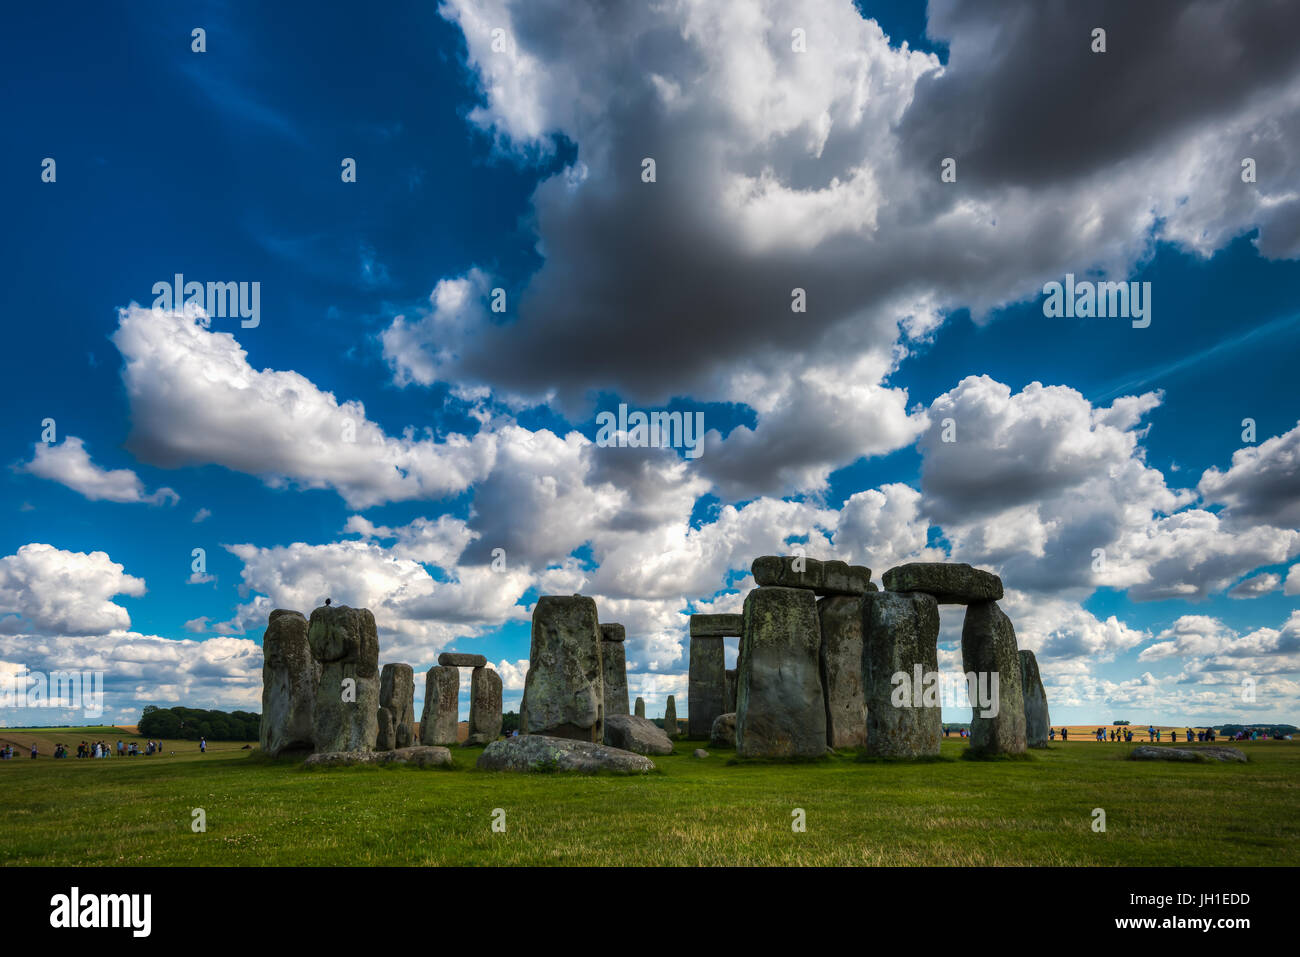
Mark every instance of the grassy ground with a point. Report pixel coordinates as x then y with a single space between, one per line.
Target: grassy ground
692 812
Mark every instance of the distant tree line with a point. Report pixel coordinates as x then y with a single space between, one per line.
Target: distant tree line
1119 723
1269 729
190 724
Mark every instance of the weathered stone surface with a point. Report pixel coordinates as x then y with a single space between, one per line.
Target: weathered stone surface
454 659
640 707
699 753
290 677
613 631
396 707
670 717
613 663
707 685
780 710
345 643
716 626
900 633
731 674
841 671
631 733
723 732
420 757
565 683
484 706
988 646
441 706
1213 753
540 752
825 578
1037 721
951 583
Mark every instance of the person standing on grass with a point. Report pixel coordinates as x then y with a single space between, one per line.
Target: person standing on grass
203 745
33 752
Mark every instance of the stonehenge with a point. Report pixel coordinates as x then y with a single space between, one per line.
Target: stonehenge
827 661
290 678
396 707
564 689
345 644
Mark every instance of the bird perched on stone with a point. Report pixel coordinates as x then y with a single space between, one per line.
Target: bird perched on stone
327 601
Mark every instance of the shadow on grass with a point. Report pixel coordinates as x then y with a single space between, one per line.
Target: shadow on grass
969 755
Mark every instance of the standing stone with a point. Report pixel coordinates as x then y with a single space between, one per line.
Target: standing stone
345 643
640 707
670 717
900 634
396 707
780 709
290 676
484 706
707 685
1037 720
731 691
988 647
841 671
565 684
613 662
441 706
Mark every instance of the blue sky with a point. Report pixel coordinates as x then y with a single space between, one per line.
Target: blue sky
519 169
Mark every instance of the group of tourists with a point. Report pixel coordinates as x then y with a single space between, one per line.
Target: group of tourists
961 732
1126 735
94 749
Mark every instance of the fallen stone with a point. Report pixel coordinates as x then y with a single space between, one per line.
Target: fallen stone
484 706
1212 753
565 683
441 706
396 707
1037 720
951 583
706 685
841 670
613 663
613 631
539 752
824 578
419 757
900 633
780 709
988 647
670 717
699 753
345 644
723 732
716 626
453 659
630 733
290 678
640 707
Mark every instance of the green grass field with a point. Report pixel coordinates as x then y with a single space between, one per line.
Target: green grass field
138 811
